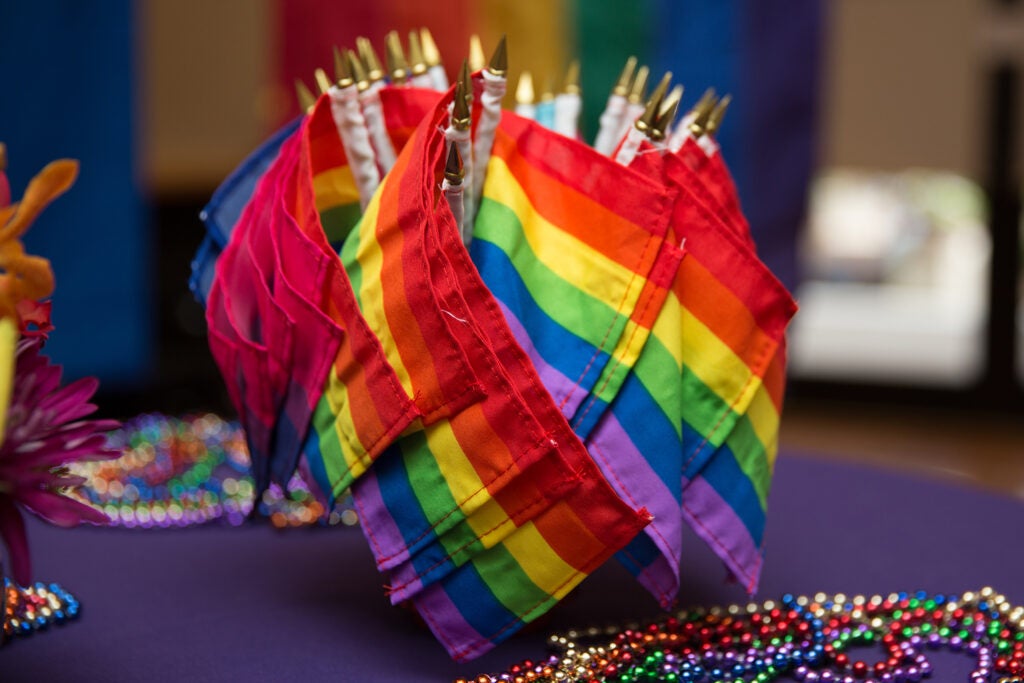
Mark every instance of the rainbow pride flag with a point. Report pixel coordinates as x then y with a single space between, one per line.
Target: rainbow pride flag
700 345
499 457
604 365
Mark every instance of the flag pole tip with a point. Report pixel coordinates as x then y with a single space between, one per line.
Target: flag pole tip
460 108
342 69
646 122
638 86
394 56
417 62
453 169
572 78
305 97
322 81
477 60
717 115
374 70
621 87
358 71
524 90
430 52
666 114
498 66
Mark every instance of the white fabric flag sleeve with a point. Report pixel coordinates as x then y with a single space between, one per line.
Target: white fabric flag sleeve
630 146
423 80
633 112
682 131
611 124
708 144
461 139
374 115
490 102
348 118
439 77
454 194
567 114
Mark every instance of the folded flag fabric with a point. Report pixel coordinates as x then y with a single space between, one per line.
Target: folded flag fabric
408 256
226 205
603 365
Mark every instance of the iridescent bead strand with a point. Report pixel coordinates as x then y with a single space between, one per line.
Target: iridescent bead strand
177 472
804 637
35 608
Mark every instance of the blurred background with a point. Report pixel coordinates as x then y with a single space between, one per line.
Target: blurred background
877 146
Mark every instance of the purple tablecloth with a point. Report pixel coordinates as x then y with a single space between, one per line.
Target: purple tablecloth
255 604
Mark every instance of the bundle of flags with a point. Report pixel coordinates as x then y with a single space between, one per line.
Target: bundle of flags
523 355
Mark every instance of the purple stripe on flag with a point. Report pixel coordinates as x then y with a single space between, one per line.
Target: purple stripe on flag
556 383
714 520
381 533
659 578
633 479
445 620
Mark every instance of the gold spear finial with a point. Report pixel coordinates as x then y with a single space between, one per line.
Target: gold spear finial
464 75
358 71
460 108
572 78
374 71
674 97
453 169
524 90
717 114
306 99
625 78
398 68
707 98
342 70
667 113
498 66
417 62
477 59
548 93
638 86
430 52
322 81
703 113
646 121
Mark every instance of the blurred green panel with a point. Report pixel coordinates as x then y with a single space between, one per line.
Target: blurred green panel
607 33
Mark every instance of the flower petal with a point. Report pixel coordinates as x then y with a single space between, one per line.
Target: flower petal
58 509
50 183
69 397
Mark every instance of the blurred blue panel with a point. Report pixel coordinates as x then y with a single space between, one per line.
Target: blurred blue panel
699 41
767 53
781 80
68 86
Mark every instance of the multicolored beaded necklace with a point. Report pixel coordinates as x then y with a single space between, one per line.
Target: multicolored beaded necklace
184 471
806 638
27 610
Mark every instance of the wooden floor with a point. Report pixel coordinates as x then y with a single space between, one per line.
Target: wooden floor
980 450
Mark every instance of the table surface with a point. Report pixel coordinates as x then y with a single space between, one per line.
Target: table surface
256 604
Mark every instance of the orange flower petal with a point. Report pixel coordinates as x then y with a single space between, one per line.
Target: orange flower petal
53 181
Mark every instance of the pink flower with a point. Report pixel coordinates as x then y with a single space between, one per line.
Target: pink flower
42 430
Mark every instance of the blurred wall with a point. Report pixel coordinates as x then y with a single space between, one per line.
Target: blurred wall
207 97
68 82
905 82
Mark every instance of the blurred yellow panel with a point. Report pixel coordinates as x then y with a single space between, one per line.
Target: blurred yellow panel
541 39
204 85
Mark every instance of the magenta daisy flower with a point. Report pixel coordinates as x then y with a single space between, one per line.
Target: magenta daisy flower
42 431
